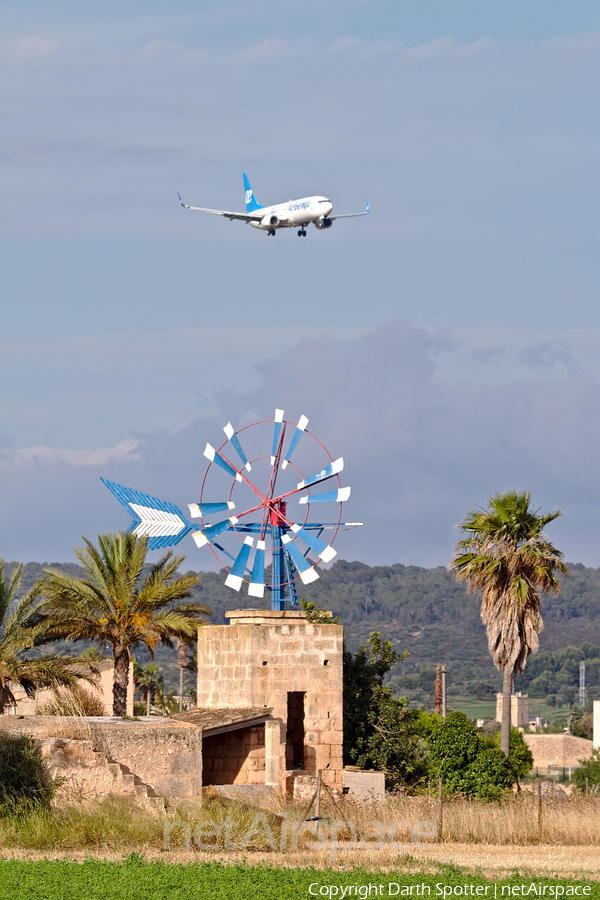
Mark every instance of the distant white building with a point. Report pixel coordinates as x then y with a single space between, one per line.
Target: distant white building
102 689
519 709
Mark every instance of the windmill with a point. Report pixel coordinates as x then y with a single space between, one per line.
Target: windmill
272 498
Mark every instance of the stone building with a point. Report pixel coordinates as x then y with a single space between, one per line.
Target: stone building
554 752
519 709
283 676
101 689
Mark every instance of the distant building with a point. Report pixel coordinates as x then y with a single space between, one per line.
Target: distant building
554 752
519 709
102 689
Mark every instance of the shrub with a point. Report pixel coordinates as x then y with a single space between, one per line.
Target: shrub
25 779
589 769
466 762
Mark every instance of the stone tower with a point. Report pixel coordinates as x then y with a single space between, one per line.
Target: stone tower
280 662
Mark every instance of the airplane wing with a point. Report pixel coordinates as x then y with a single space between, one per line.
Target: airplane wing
245 217
351 215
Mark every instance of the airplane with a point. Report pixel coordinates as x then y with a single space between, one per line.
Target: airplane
281 215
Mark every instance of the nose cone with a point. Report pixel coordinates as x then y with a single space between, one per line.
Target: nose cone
325 206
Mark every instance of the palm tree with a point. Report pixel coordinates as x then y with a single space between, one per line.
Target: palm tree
20 635
506 554
145 681
118 604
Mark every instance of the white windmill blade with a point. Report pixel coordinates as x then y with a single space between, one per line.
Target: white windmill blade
300 428
330 497
334 468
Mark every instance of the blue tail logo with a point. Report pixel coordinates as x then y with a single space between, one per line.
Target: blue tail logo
252 203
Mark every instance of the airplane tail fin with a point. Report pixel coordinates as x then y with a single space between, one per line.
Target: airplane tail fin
252 203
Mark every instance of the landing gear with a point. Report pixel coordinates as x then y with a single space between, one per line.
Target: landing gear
302 233
271 231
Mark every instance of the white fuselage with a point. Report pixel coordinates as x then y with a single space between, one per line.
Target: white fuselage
294 213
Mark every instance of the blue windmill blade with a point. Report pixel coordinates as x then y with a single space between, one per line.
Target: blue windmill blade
238 569
256 588
276 434
300 428
333 469
212 531
307 572
324 551
162 523
330 497
234 440
211 453
199 510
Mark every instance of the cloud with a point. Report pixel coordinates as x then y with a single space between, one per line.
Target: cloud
49 457
26 50
418 453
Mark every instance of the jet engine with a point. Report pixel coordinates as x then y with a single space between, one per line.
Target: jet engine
323 222
269 221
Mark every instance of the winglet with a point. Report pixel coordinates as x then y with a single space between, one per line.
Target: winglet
367 205
185 206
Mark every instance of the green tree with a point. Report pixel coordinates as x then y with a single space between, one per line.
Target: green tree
120 605
467 763
21 663
506 555
145 681
590 769
521 757
379 730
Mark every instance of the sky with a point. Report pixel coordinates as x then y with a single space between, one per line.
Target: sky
446 345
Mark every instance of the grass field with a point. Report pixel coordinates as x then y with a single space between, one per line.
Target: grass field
486 709
134 878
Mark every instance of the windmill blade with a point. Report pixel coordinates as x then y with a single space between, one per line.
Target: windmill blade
162 523
198 510
212 531
276 434
333 469
330 497
211 453
238 569
307 572
234 440
300 427
324 551
256 588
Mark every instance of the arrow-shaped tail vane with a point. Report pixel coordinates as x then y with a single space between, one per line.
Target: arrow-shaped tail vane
323 551
238 569
212 531
307 572
198 510
256 588
333 469
234 440
211 453
162 523
300 427
330 497
276 434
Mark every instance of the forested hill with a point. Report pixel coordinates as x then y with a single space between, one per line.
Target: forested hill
425 611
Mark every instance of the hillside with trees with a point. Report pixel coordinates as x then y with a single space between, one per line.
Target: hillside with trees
430 614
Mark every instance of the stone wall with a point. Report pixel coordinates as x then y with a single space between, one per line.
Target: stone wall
236 757
164 755
102 689
558 750
259 659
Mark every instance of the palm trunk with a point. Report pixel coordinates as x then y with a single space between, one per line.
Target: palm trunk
506 710
121 680
148 699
